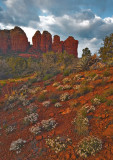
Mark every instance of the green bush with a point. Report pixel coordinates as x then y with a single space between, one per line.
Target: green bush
98 99
89 146
42 97
54 97
66 72
47 76
84 90
109 92
106 73
109 102
81 125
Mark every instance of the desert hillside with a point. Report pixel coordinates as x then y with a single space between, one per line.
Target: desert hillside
62 118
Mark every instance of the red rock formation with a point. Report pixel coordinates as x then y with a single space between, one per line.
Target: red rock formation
15 40
5 42
19 40
36 40
46 42
71 45
57 45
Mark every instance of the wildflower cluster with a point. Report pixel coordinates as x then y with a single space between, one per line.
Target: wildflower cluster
66 80
65 96
31 109
36 129
58 144
89 146
31 118
57 105
81 125
17 145
48 124
46 103
96 101
56 84
45 125
10 129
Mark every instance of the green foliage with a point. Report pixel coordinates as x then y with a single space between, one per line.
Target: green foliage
82 64
106 73
106 52
98 99
66 72
89 146
109 92
86 52
47 76
109 102
42 97
84 89
54 97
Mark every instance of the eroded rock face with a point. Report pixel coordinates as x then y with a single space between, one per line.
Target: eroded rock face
46 42
5 42
19 40
16 41
57 45
36 40
71 45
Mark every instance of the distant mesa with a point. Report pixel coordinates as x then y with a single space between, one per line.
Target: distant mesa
16 41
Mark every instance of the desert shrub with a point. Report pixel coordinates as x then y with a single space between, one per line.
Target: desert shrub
54 97
60 87
74 103
31 118
66 80
109 102
36 129
77 77
89 146
46 103
42 97
57 105
76 87
58 144
66 72
31 81
106 73
98 99
34 90
86 109
56 84
31 109
65 96
17 145
92 74
82 65
109 92
10 129
81 125
84 89
47 76
48 124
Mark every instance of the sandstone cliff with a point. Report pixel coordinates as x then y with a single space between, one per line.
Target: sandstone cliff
15 41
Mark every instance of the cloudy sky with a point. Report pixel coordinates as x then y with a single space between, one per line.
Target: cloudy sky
88 21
